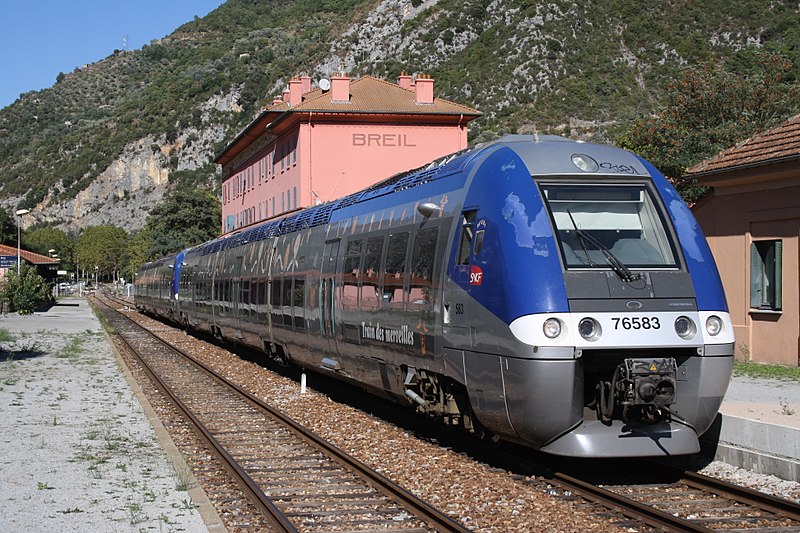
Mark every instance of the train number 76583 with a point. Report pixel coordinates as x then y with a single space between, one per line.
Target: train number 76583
636 322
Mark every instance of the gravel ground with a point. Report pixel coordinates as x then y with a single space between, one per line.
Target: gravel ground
76 450
486 499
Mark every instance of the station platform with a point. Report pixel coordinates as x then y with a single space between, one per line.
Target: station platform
758 427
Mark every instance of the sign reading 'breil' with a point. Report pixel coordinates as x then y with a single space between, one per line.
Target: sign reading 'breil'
399 140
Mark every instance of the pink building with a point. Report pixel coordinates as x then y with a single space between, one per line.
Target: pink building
318 145
751 219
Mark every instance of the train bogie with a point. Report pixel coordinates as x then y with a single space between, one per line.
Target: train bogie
548 292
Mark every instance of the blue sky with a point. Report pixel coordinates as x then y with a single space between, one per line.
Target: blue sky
40 38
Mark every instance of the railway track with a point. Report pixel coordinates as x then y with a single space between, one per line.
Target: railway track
683 501
676 501
297 481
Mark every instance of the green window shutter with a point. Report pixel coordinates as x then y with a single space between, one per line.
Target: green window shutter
778 277
756 276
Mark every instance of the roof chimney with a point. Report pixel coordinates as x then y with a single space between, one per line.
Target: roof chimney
424 89
405 81
306 80
286 95
277 101
295 91
340 87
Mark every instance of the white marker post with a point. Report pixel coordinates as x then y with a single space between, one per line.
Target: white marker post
303 383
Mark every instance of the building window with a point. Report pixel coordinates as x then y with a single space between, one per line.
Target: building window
765 274
294 197
283 202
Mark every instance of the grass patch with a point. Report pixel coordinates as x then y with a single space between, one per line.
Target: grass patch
6 336
73 348
760 370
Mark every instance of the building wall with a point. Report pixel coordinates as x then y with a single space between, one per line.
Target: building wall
319 162
346 158
732 219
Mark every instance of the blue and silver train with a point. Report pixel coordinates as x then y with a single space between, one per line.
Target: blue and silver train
534 289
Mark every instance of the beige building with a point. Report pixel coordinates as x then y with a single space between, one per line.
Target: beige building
752 222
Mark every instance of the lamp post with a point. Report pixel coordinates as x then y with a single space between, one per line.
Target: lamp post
20 212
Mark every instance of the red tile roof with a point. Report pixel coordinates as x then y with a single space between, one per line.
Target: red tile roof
373 95
30 257
368 95
779 143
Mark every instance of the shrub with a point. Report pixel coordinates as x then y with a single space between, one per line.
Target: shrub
27 293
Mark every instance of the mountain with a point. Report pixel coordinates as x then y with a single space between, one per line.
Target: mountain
104 143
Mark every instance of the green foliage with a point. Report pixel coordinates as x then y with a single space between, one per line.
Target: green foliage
760 370
104 247
8 228
569 68
709 109
42 240
185 218
138 251
24 293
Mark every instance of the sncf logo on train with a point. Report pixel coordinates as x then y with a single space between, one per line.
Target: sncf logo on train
385 139
475 275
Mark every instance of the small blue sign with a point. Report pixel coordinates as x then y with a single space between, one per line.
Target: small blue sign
8 261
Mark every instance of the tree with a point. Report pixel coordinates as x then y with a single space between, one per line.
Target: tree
8 228
710 109
103 247
185 218
25 293
138 251
42 240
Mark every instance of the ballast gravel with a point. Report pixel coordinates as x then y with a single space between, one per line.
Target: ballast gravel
76 450
481 497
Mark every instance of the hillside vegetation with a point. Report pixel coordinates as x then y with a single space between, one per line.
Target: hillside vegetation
581 69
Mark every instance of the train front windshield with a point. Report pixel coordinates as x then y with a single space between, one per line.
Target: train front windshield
598 224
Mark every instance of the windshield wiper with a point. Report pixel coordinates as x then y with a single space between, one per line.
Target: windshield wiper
614 262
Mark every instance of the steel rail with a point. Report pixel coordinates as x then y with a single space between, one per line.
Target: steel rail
760 500
627 506
274 515
420 508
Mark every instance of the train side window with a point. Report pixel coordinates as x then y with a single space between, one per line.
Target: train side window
370 297
288 319
467 235
478 245
277 314
298 303
351 274
395 270
420 293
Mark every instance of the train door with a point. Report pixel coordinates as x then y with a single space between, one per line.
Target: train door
270 262
466 273
237 295
327 305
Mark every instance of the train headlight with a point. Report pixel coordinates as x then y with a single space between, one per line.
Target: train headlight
714 325
585 163
685 327
552 328
589 329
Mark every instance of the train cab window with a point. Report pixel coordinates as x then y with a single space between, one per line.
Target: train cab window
467 235
395 270
420 291
370 296
622 221
351 274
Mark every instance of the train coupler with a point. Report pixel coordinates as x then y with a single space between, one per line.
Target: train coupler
641 390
